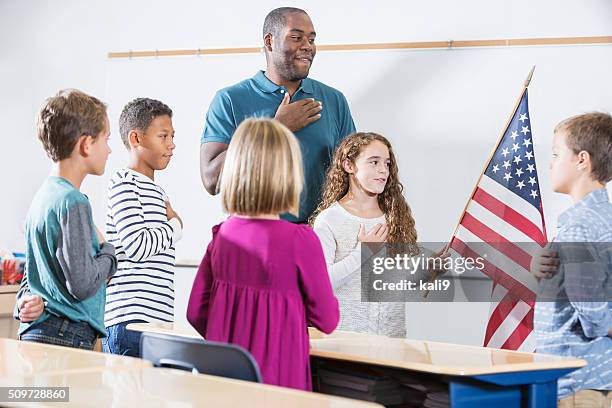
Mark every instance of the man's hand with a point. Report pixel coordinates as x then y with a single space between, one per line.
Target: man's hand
30 308
170 213
544 263
298 115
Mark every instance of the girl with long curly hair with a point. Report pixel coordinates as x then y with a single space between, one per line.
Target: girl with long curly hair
362 202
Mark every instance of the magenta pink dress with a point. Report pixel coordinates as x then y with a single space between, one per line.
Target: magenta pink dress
260 284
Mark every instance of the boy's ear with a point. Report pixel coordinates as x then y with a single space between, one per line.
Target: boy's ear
584 160
133 138
348 166
268 42
83 145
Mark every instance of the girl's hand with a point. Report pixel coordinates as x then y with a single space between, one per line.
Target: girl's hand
442 254
378 233
439 259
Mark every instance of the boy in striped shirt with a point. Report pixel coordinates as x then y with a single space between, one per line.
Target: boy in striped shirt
143 227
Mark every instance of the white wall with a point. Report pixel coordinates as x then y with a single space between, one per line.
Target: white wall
49 45
44 46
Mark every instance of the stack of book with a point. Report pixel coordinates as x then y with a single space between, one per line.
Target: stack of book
437 399
367 384
436 392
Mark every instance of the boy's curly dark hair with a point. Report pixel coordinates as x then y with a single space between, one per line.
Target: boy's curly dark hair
138 115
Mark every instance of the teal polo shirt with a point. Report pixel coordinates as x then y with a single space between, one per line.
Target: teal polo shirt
259 97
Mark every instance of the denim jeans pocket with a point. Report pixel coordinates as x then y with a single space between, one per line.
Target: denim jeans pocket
62 332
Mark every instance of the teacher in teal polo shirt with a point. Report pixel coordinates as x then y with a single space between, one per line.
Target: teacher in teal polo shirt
318 114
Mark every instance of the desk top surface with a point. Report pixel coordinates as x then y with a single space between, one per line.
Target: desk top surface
153 387
164 328
416 355
22 358
433 357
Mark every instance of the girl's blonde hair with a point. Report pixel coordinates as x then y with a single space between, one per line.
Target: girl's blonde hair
398 215
263 171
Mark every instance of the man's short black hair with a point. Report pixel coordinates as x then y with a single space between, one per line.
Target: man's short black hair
276 20
138 115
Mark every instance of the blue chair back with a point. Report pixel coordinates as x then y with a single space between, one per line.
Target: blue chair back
199 356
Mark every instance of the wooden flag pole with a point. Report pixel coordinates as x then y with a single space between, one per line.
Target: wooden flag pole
499 139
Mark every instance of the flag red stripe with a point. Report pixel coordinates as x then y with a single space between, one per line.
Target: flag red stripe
503 308
521 332
497 241
509 215
497 275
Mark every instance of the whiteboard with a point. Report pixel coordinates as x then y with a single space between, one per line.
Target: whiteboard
443 111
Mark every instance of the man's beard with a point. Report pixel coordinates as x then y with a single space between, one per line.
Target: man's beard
286 67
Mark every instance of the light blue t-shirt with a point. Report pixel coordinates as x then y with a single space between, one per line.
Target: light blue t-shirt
260 97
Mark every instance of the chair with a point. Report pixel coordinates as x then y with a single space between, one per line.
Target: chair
199 356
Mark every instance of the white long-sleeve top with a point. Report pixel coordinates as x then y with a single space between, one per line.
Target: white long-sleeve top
144 239
338 230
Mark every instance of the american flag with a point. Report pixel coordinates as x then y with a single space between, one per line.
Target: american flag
503 217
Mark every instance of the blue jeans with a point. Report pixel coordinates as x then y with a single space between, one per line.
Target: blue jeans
62 332
122 341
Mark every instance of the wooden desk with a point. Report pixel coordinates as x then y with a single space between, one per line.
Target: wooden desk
476 376
12 289
156 387
416 355
22 358
164 328
435 358
172 330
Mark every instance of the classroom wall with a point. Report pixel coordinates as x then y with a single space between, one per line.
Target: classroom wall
44 46
49 45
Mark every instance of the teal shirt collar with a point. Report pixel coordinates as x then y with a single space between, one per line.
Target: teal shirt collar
267 86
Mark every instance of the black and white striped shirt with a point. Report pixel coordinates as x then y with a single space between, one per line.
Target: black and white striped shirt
138 227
